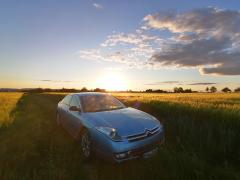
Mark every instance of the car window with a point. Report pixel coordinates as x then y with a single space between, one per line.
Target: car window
67 100
74 102
102 102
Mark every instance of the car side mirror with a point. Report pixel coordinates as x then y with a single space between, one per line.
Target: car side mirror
74 108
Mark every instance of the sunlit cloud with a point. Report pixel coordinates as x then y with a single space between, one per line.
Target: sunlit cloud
91 54
205 20
180 83
207 39
98 6
164 83
202 84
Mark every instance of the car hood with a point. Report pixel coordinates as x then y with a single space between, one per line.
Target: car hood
127 121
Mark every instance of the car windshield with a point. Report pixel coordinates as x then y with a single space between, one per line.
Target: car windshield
100 102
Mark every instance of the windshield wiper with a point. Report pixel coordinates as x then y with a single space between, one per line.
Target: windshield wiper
116 108
107 109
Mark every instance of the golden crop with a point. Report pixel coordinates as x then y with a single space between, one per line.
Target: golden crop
8 102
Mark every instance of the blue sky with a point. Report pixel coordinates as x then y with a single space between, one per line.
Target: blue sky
43 44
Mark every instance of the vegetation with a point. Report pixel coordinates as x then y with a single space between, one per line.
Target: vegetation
207 89
155 91
237 89
181 90
202 140
213 89
7 104
226 89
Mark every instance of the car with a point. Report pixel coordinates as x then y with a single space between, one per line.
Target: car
105 127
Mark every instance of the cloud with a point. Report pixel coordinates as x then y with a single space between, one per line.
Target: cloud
170 82
91 54
210 52
206 39
201 83
97 55
98 6
134 39
206 20
181 83
139 45
140 48
164 82
117 57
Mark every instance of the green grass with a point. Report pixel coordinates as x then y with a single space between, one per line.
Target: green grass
202 140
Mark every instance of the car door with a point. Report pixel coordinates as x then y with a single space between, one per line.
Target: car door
75 116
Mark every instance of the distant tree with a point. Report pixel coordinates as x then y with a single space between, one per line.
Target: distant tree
226 89
84 89
47 90
213 89
237 89
155 91
207 89
188 90
68 90
178 90
160 91
99 90
175 89
149 90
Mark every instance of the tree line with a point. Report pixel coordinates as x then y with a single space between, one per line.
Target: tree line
212 89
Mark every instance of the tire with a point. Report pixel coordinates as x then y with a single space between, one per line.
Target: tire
86 145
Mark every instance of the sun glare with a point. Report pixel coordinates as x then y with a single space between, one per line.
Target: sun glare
112 82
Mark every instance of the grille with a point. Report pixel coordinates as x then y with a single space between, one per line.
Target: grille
146 134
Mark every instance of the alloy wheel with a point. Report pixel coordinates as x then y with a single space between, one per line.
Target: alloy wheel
85 144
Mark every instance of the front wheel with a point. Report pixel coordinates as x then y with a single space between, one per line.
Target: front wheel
86 145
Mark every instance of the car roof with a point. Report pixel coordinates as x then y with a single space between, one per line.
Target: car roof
88 93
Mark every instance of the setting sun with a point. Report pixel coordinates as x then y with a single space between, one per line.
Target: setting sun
112 82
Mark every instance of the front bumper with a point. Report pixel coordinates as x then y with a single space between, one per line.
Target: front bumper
141 152
124 151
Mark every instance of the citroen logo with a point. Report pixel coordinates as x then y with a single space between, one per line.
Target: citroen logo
147 132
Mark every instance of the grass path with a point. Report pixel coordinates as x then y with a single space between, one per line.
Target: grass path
34 147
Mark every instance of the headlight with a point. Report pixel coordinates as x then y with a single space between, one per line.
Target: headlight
110 132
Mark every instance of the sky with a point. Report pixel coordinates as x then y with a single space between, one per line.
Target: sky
119 45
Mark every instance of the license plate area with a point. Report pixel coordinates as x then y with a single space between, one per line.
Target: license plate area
145 151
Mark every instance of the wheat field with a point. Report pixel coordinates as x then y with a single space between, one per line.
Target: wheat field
8 102
202 139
